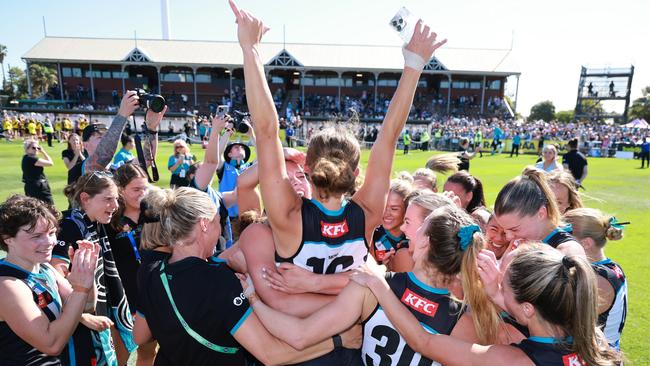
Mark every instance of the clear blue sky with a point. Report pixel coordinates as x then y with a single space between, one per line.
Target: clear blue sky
552 38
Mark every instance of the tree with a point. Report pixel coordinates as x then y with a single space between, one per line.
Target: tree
17 86
3 53
564 116
543 110
42 77
641 107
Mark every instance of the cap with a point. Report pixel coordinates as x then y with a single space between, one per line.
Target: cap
92 128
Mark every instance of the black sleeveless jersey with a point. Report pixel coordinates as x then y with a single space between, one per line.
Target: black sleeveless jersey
546 352
384 241
434 309
14 350
612 321
559 236
332 241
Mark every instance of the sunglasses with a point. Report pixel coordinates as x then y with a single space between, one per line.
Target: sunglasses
96 174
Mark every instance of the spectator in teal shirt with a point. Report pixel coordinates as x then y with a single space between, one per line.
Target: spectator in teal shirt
179 164
516 142
124 155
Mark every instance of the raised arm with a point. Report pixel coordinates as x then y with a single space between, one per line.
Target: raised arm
150 147
280 200
372 195
46 160
108 145
205 172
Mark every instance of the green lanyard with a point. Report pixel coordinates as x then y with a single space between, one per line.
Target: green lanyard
190 331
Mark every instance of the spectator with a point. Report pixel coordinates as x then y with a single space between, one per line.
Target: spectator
48 130
424 140
516 142
124 155
179 164
548 163
645 153
407 141
36 184
575 162
73 157
464 155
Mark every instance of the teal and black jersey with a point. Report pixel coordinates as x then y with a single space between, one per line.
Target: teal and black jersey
545 351
612 321
332 241
559 236
384 241
433 307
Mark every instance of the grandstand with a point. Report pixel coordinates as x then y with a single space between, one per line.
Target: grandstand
317 80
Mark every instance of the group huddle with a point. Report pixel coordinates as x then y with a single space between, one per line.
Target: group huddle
316 266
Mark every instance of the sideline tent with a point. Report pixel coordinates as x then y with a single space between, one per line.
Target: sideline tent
638 123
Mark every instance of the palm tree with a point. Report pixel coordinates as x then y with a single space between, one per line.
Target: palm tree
42 77
3 53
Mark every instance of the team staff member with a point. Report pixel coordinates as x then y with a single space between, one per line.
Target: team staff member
197 310
554 295
39 309
593 229
36 184
575 162
179 164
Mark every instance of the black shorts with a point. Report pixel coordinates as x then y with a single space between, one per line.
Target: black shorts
177 181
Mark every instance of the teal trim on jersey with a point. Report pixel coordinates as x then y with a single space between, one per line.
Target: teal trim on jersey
567 229
424 286
327 212
429 329
396 238
140 314
552 340
241 321
358 240
604 261
61 258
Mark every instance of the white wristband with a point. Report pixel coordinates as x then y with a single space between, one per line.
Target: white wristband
251 288
413 60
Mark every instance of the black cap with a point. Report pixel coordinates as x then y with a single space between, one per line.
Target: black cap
247 151
92 128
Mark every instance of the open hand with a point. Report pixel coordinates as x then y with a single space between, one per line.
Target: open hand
423 43
84 263
96 323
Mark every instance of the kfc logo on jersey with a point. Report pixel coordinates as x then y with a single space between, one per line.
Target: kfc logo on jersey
334 229
419 303
573 360
618 272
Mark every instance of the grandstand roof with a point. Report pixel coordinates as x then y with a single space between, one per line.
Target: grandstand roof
228 54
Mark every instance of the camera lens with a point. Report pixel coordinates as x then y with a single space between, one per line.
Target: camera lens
242 127
157 103
394 23
399 28
401 20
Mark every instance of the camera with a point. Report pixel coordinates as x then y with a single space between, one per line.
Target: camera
155 102
404 24
241 121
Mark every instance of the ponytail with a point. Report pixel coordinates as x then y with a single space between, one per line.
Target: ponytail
526 194
592 223
470 184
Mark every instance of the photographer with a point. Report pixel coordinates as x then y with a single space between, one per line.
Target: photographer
179 164
36 184
101 143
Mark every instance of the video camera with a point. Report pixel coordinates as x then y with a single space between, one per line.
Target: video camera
155 102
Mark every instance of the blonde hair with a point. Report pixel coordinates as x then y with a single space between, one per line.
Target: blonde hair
449 259
181 142
594 224
404 175
443 163
564 292
427 175
177 212
526 194
428 201
566 180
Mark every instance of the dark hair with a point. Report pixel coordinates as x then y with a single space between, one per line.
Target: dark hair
446 256
126 139
68 140
123 176
470 184
526 194
19 211
573 143
91 183
332 157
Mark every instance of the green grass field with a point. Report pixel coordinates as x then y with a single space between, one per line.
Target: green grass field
615 186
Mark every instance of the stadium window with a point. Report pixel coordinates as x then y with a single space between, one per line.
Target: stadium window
203 78
359 83
333 81
347 82
277 80
119 75
76 72
459 85
67 72
444 85
320 81
422 83
475 85
308 81
495 85
387 82
106 74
